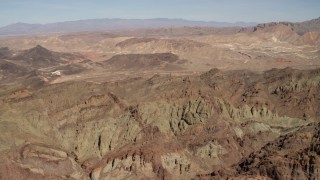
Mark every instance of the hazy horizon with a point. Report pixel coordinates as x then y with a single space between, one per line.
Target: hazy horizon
155 18
46 11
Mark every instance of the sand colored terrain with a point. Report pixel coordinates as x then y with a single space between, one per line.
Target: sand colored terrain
166 103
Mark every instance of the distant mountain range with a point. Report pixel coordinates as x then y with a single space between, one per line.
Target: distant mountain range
93 25
108 25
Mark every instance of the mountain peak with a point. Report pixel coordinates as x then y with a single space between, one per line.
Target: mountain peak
39 50
39 56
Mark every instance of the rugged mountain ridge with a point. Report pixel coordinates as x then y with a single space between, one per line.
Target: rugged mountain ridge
300 27
164 127
295 33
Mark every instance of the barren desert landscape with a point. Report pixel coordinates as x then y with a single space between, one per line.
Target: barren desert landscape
186 100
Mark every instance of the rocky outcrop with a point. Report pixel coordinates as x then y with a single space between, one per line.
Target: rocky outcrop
39 162
191 113
292 156
129 167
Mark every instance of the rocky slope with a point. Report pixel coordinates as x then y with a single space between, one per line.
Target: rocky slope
306 32
216 125
291 156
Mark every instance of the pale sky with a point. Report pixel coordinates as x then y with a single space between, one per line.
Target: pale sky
49 11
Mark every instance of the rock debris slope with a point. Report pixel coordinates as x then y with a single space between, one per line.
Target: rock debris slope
215 125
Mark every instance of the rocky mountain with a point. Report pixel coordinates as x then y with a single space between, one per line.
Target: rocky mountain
38 65
164 127
307 26
39 56
106 25
300 28
307 32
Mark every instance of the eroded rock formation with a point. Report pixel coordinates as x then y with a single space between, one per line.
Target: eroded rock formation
216 125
